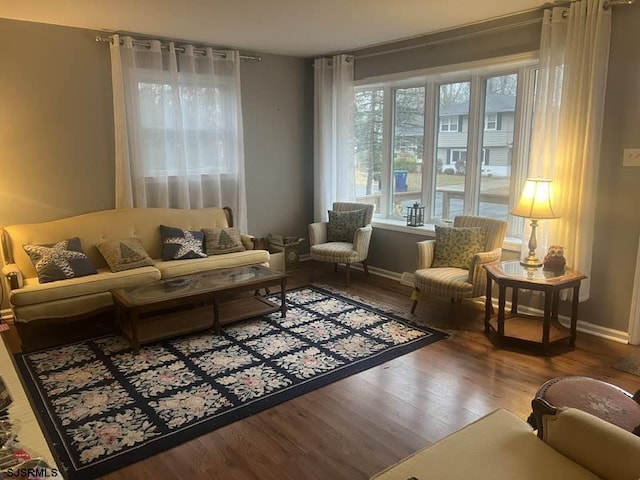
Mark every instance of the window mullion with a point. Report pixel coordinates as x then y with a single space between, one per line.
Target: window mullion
429 152
476 125
386 202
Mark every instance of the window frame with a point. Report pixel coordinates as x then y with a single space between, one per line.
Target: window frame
476 72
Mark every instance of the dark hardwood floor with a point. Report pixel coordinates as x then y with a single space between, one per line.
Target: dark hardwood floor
359 425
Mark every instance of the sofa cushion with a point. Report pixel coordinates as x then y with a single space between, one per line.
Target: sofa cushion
59 261
176 268
105 280
124 254
181 244
455 246
444 282
218 241
342 226
340 252
62 308
499 446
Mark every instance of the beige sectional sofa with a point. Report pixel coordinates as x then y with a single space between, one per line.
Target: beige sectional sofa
573 445
72 299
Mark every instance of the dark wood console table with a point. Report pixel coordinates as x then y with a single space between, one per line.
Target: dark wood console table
529 329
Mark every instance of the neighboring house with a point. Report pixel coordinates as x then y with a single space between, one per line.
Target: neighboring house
497 137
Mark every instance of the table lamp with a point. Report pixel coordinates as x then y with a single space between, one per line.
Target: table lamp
535 204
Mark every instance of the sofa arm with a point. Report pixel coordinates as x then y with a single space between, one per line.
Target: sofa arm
317 233
247 241
601 447
426 250
10 271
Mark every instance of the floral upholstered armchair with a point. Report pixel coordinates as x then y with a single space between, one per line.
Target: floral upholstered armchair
344 239
451 265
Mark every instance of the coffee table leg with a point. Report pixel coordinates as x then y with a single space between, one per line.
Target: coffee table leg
133 325
283 297
216 315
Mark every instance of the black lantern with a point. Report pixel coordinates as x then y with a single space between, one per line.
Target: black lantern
415 215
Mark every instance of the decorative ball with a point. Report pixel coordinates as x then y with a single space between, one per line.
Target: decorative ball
554 260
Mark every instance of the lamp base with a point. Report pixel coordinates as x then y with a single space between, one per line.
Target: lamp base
531 262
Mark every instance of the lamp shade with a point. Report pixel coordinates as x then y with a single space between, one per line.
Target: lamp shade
535 201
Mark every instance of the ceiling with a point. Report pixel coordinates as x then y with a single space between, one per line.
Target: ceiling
287 27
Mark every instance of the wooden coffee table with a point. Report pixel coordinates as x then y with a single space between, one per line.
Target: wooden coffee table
167 308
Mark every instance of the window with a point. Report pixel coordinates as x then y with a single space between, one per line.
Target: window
368 119
457 142
491 121
408 145
449 123
199 139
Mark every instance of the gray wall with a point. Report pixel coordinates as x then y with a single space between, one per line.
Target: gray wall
494 42
278 143
56 130
617 222
56 123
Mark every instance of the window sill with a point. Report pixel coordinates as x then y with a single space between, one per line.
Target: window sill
513 244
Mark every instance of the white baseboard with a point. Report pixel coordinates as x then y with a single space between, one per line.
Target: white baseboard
582 326
618 336
408 279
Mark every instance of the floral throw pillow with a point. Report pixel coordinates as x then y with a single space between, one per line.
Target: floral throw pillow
342 226
222 240
124 254
455 246
60 261
179 244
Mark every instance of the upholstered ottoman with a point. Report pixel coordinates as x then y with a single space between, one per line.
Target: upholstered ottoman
593 396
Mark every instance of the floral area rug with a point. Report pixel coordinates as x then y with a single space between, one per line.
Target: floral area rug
630 363
104 407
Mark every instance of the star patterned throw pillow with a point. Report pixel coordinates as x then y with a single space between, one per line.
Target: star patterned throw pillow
179 244
60 261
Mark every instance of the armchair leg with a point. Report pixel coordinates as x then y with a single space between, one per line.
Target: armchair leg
413 307
365 267
348 268
335 267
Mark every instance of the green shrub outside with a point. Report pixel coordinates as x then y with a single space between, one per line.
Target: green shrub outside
407 163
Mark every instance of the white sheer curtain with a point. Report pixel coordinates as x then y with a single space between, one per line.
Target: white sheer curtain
574 52
333 157
178 127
